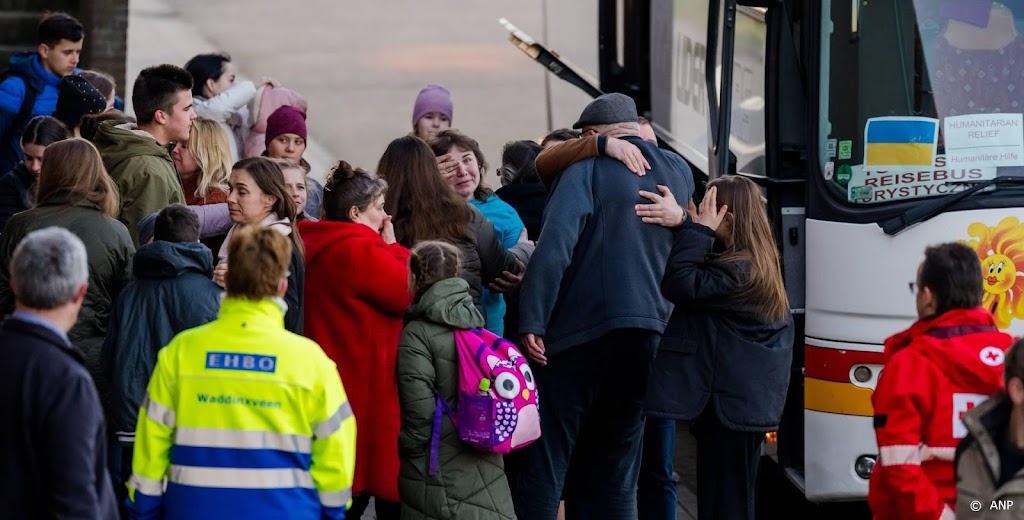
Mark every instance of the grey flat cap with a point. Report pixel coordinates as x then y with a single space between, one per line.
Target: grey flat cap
608 109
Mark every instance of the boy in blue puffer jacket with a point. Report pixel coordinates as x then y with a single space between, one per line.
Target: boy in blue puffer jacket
29 86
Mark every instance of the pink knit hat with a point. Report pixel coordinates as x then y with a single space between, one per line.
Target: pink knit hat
286 120
433 98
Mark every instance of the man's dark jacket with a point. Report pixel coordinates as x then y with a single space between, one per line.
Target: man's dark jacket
172 292
53 441
597 266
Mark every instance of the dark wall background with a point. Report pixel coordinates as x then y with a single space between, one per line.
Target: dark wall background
106 31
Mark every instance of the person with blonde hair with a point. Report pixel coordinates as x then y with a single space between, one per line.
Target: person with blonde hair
204 163
724 359
243 419
75 193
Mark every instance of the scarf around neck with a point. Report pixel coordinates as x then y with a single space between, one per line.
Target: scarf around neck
281 225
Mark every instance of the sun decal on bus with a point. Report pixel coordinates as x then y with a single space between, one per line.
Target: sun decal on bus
1001 251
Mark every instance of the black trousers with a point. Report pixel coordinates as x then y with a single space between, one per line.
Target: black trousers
591 400
727 463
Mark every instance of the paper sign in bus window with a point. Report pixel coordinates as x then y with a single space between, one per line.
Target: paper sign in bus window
900 141
876 184
984 140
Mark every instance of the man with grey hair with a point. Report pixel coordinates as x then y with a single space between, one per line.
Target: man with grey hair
592 315
53 442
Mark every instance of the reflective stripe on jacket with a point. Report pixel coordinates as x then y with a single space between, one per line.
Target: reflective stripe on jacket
243 419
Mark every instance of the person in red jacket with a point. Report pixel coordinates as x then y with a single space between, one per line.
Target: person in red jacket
946 363
357 289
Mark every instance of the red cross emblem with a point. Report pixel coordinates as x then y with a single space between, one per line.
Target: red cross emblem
992 356
970 405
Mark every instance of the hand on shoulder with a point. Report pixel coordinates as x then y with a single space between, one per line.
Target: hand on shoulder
628 154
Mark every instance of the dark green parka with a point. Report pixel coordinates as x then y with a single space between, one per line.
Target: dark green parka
471 484
110 251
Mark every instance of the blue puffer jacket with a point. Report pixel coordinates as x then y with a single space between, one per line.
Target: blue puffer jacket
173 291
12 92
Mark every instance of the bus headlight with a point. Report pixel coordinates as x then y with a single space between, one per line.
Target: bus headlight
864 465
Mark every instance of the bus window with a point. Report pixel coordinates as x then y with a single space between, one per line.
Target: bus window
919 96
977 61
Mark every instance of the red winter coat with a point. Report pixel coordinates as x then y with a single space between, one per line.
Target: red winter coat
934 372
357 289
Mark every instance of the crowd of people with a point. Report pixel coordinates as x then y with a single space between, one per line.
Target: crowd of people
196 328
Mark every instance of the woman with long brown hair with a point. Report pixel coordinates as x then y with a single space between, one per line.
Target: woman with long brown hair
74 192
425 207
258 196
724 359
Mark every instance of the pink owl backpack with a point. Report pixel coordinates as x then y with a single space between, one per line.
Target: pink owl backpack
497 407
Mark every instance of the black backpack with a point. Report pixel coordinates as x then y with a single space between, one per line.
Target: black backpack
27 102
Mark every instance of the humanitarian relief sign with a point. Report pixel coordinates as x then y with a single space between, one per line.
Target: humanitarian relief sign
987 140
870 184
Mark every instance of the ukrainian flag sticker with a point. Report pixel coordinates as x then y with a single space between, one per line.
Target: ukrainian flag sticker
900 141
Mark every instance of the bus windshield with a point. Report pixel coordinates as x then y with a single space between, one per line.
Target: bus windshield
920 97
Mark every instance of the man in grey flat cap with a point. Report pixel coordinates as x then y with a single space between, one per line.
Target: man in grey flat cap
591 315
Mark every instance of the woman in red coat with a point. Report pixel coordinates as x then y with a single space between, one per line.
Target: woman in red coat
357 289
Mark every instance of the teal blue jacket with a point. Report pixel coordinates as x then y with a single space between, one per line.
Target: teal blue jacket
508 227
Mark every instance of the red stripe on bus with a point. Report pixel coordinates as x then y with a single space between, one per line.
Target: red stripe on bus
832 364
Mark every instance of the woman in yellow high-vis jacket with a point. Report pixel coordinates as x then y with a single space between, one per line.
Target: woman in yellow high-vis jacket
243 419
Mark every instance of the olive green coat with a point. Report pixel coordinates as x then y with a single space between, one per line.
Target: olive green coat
471 484
142 169
110 252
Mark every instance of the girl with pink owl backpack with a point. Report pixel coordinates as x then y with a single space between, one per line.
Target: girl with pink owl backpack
466 397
